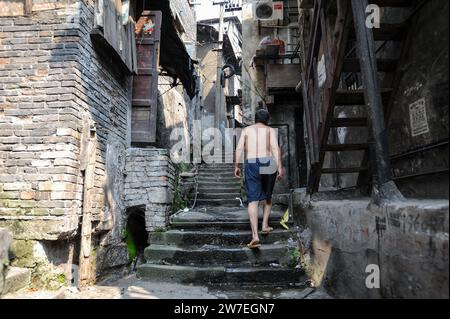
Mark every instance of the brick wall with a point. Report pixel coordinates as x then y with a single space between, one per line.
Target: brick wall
149 184
54 92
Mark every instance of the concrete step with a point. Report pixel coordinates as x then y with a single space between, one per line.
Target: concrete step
212 175
227 196
221 217
216 237
220 225
218 255
217 178
216 184
16 279
223 275
236 189
218 202
222 170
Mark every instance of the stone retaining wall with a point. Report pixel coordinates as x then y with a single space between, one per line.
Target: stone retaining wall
149 184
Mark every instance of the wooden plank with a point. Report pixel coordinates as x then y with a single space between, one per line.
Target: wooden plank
345 147
384 65
349 122
307 113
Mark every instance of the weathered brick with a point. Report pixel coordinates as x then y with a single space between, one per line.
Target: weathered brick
46 186
17 186
28 195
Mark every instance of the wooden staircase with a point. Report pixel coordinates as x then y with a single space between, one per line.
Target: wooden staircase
352 81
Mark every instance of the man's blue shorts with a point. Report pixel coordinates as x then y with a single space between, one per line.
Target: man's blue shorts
260 178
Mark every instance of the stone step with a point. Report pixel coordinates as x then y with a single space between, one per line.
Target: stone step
219 170
16 279
236 189
222 217
223 275
214 184
208 175
220 225
218 255
218 178
215 237
218 202
227 196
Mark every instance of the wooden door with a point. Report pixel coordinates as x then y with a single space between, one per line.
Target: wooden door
145 83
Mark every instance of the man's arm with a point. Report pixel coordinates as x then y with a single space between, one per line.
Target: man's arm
239 153
276 152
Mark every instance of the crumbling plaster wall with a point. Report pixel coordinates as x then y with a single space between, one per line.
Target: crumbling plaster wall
408 241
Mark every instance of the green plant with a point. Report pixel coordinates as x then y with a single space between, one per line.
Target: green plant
295 256
131 245
179 202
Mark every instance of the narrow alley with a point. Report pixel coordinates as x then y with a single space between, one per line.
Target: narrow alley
126 142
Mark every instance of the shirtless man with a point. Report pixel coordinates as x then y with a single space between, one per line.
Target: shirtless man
262 168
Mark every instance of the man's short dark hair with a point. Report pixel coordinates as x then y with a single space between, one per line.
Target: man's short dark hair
262 116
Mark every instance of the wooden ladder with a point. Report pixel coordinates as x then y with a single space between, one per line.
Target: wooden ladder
345 61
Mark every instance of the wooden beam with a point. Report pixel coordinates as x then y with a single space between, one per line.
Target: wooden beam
385 188
341 34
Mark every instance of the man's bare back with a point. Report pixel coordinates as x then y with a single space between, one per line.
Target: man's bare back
257 141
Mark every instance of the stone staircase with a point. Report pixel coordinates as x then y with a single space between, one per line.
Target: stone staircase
217 186
208 245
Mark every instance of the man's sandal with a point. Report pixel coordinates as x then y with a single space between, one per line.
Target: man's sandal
254 244
267 231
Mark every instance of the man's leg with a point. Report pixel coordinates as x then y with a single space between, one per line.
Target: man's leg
253 216
267 211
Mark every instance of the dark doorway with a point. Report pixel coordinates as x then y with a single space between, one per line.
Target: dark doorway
136 235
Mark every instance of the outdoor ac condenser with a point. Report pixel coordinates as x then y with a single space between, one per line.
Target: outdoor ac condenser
269 11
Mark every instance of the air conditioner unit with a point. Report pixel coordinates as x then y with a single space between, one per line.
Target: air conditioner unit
269 11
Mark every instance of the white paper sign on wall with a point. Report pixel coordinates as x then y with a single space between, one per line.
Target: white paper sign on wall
418 118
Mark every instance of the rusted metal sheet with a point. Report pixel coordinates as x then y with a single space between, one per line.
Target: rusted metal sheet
145 83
